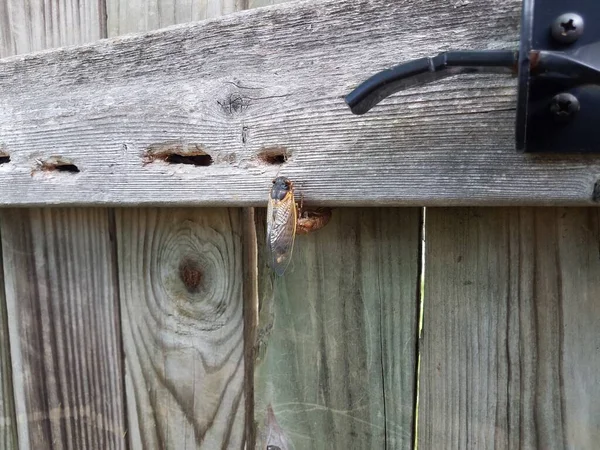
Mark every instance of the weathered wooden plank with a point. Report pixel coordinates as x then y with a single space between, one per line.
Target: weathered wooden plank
250 312
180 274
8 423
28 26
272 80
260 3
196 422
144 15
337 335
510 343
63 324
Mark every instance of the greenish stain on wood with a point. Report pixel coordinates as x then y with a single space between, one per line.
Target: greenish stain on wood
336 350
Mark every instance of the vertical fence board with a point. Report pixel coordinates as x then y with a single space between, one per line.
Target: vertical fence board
60 286
510 344
192 421
180 274
144 15
259 3
29 25
8 426
336 353
63 325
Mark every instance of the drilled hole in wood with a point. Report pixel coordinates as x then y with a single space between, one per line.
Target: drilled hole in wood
67 168
178 153
58 165
195 160
273 156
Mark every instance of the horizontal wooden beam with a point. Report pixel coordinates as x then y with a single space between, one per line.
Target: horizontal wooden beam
204 114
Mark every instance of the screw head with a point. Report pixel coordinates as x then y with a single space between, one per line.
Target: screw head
567 28
563 106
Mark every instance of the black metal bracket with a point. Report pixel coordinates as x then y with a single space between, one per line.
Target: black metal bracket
558 69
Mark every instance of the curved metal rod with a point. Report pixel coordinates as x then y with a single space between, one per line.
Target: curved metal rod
426 70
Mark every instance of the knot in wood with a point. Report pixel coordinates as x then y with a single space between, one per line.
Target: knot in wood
234 103
190 273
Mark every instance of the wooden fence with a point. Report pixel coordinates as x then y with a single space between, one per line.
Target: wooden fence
161 327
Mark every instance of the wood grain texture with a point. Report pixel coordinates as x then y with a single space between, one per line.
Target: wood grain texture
144 15
60 284
336 351
63 324
180 275
30 25
196 422
510 344
8 422
261 3
250 312
260 80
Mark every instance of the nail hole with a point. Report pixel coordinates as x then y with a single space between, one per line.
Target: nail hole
195 160
273 156
4 158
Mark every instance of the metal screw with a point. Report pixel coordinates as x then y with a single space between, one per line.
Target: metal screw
564 105
567 28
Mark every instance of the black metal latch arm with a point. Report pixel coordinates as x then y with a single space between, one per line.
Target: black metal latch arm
425 70
558 79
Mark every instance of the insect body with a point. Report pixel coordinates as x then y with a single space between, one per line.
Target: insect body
282 216
310 220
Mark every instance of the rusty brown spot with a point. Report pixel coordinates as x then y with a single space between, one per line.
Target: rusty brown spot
190 273
534 59
273 155
311 220
178 153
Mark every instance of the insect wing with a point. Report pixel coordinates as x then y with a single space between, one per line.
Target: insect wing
281 231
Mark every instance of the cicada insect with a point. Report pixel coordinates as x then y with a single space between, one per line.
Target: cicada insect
282 215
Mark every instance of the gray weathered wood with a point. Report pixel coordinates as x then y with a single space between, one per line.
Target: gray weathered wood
8 423
143 15
30 25
510 340
65 344
250 312
336 354
273 79
125 17
180 274
60 285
